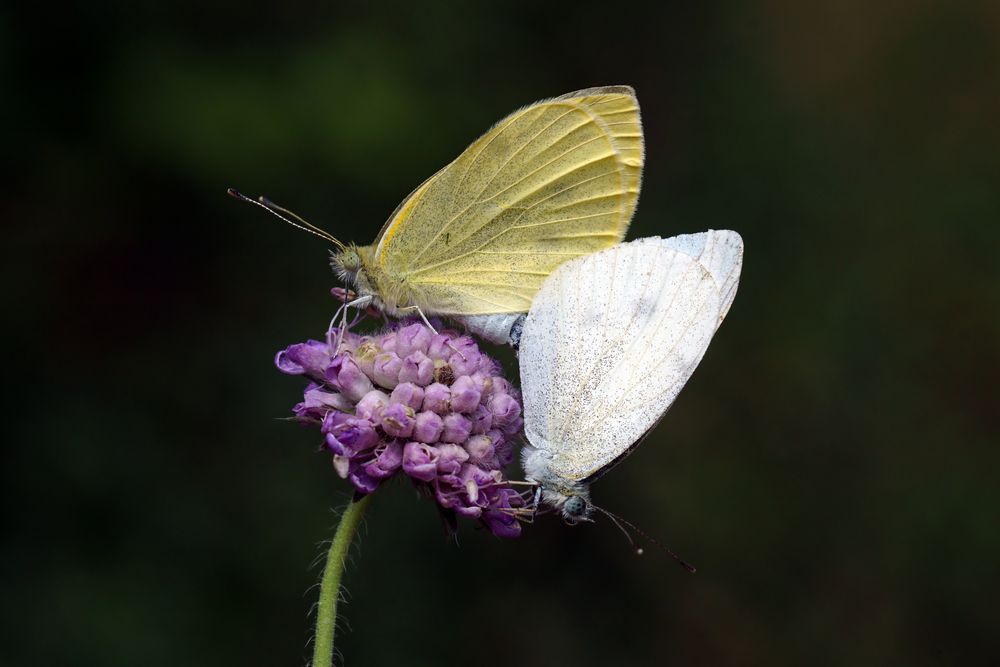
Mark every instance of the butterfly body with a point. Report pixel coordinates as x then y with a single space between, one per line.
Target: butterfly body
386 292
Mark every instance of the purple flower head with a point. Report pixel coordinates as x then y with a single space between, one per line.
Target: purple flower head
409 402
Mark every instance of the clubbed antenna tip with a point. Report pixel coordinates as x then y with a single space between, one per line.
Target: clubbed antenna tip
281 213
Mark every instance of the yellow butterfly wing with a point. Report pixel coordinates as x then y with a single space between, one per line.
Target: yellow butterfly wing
552 181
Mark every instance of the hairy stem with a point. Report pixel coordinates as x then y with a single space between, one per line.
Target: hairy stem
329 587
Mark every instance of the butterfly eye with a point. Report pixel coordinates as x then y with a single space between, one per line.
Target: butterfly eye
575 509
347 263
352 262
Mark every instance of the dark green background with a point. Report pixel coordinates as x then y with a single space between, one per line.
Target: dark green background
831 468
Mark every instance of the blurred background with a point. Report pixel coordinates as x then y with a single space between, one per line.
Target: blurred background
831 468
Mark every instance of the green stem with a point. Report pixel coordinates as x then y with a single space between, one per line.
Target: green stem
329 586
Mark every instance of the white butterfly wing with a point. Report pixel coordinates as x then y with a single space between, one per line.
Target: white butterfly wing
720 251
609 342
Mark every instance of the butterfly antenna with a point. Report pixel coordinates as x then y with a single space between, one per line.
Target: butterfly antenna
618 521
281 213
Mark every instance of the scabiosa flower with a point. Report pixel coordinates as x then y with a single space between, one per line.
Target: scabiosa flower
430 405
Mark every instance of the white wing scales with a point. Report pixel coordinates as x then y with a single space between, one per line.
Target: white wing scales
613 337
721 253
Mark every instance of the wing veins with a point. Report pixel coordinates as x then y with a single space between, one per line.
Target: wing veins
502 232
613 153
468 169
526 144
564 174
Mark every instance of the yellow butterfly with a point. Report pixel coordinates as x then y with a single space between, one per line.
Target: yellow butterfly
555 180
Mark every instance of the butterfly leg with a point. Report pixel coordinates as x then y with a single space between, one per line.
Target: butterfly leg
360 302
422 316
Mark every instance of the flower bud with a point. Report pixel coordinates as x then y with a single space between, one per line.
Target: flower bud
499 385
504 408
350 379
427 427
437 398
420 461
481 451
482 419
483 382
440 348
408 394
310 358
388 459
398 420
465 361
361 480
386 369
413 338
456 428
324 400
450 459
417 368
387 342
351 437
371 405
464 395
501 524
365 355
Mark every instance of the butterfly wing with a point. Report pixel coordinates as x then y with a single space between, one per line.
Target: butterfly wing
720 251
609 342
553 181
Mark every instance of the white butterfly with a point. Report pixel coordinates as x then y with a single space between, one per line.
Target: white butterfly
610 340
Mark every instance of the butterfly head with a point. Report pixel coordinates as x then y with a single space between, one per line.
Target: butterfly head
346 263
352 265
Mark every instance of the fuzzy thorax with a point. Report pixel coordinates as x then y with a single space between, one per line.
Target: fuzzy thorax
571 499
356 266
